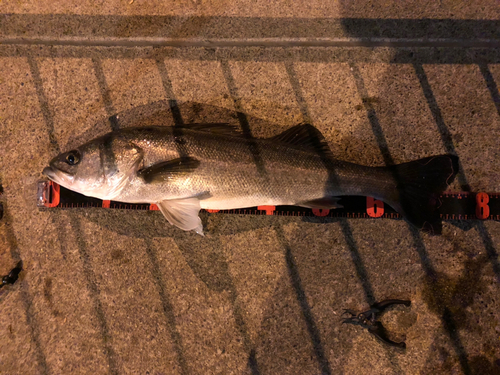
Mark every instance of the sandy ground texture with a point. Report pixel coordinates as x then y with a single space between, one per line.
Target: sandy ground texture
123 292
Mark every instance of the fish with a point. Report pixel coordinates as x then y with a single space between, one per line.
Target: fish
183 169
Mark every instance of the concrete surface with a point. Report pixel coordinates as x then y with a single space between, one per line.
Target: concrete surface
125 293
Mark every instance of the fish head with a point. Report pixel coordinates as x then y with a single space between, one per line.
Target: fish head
100 168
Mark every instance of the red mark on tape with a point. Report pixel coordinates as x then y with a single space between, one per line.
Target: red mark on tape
269 209
154 207
374 207
321 211
52 194
212 211
106 204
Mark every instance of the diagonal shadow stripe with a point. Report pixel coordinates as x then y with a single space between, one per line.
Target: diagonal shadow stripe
344 224
292 269
155 268
168 309
491 84
222 282
43 102
26 298
291 266
304 304
438 119
372 116
94 292
448 143
483 232
242 118
237 310
490 248
294 81
75 224
106 97
446 318
169 91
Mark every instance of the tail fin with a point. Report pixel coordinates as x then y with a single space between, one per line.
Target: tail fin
419 184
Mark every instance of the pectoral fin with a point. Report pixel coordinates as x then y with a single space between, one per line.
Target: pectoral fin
167 170
182 213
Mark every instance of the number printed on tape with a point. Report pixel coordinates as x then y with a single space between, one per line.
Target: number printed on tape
482 208
374 207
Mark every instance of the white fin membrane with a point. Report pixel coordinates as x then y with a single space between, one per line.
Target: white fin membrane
183 213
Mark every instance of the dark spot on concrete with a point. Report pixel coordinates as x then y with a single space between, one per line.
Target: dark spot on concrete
457 242
446 359
443 293
213 222
209 266
482 365
47 294
47 289
116 254
370 100
11 332
197 108
442 362
406 320
458 137
134 340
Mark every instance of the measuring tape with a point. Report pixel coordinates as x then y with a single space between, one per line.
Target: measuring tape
453 206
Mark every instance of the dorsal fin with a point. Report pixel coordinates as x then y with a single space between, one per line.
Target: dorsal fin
215 128
307 137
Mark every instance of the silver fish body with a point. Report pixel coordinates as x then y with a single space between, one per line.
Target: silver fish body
213 167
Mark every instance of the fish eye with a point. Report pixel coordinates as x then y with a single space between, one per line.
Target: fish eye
73 157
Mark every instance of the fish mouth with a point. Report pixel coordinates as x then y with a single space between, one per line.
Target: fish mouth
58 176
49 172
